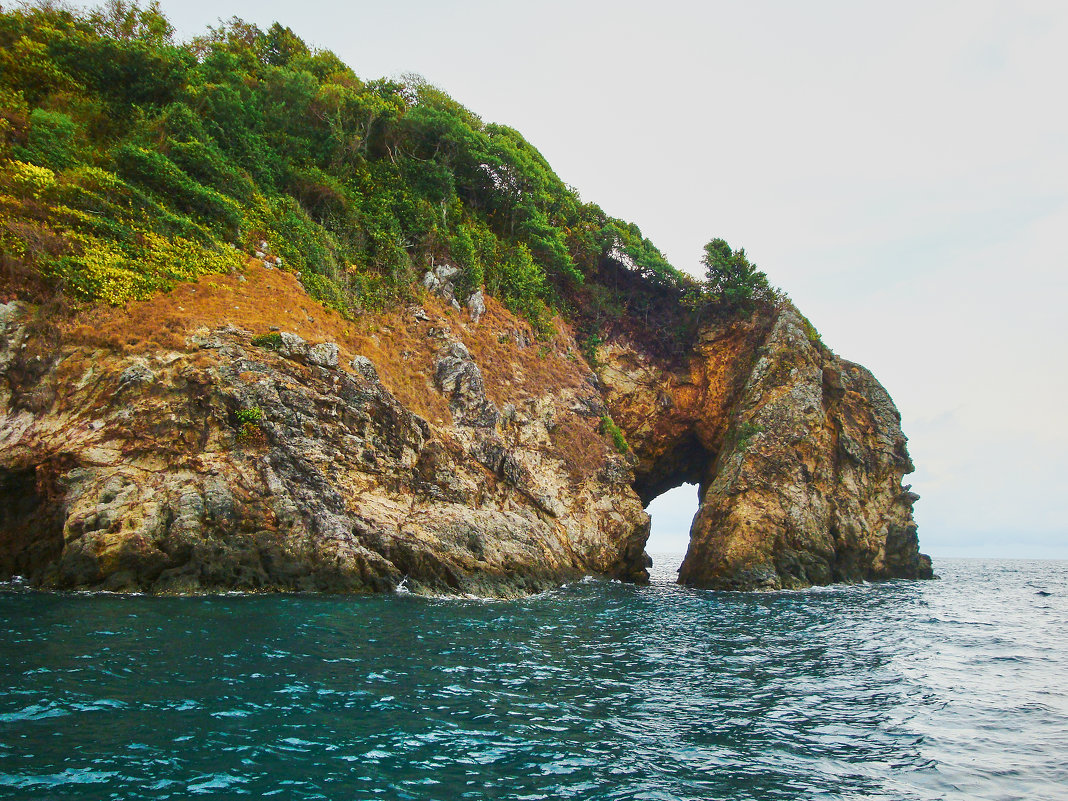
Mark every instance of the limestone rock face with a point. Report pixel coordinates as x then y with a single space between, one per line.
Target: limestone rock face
444 450
806 488
798 454
229 466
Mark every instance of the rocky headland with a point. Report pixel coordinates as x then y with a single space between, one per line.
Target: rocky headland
268 325
234 434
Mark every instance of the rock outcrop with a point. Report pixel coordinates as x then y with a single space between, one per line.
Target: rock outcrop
798 454
443 450
806 488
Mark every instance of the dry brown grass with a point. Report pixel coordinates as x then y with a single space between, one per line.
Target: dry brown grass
264 298
582 448
513 373
402 347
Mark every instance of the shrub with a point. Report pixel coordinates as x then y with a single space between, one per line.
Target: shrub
609 427
52 140
731 279
299 240
271 341
347 303
520 282
102 271
115 273
588 346
465 255
811 332
248 425
745 432
155 171
253 415
26 179
209 166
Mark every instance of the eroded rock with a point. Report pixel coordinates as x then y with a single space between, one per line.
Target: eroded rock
229 467
460 379
225 466
325 354
476 306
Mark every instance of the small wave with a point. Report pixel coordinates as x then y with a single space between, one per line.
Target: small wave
16 584
231 713
216 781
69 776
35 712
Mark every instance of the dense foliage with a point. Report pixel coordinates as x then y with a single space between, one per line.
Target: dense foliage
731 279
129 161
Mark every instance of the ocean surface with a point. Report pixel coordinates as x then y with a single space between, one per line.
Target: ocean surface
951 689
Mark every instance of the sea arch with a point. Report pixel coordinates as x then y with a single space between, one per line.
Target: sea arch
798 455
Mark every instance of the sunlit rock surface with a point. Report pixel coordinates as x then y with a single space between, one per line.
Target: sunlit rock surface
182 445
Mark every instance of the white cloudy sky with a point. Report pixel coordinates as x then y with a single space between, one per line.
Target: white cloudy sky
900 169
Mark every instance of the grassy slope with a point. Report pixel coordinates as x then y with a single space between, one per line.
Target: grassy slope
129 163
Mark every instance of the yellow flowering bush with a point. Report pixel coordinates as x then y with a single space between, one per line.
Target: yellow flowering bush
177 259
28 179
104 271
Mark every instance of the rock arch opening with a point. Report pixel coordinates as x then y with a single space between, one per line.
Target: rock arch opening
671 516
667 479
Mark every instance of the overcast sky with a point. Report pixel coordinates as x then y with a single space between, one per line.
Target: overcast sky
900 169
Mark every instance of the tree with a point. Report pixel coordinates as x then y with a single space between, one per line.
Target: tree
281 45
127 21
730 278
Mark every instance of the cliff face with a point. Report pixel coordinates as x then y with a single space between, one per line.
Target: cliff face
180 445
798 454
209 463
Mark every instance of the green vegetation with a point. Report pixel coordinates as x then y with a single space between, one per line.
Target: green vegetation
248 424
588 345
609 427
271 341
130 161
252 415
745 432
811 332
731 280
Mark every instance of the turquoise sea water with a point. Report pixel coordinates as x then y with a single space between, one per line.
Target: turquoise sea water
954 689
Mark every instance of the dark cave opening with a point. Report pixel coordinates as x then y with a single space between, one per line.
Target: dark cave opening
31 523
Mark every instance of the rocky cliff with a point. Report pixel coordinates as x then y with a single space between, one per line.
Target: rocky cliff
234 434
798 454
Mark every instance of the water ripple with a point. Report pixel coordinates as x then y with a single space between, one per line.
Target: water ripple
907 691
